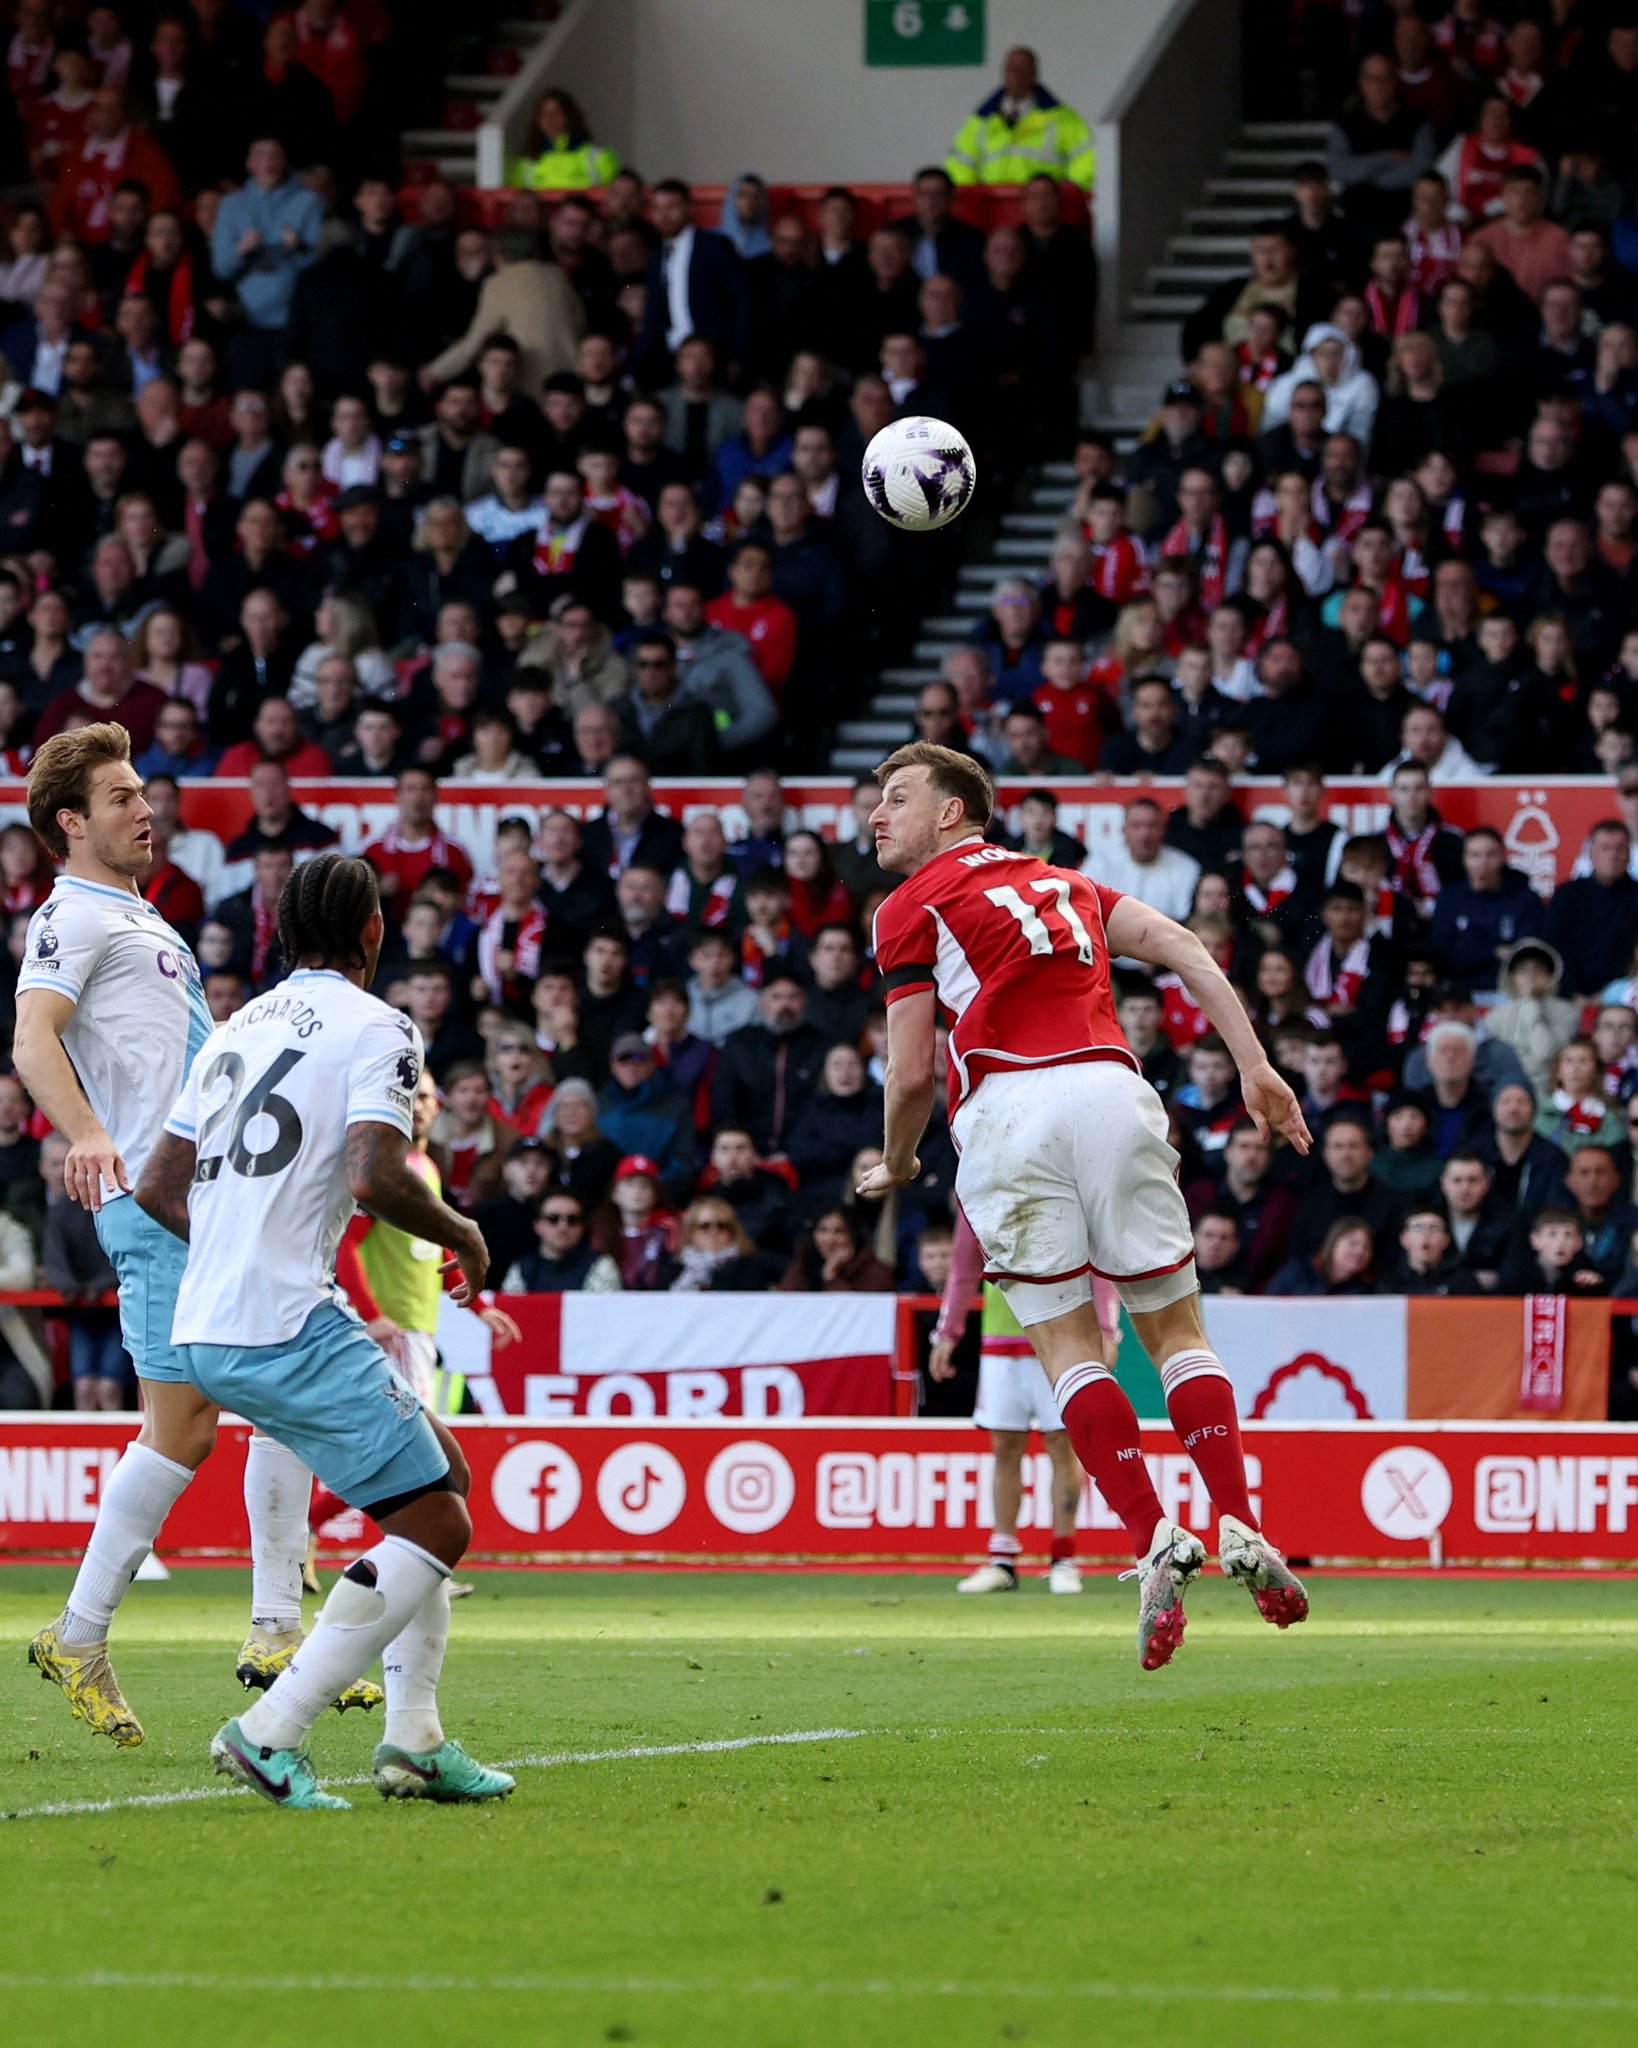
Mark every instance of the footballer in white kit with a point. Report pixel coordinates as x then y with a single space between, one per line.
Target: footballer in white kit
110 1013
295 1110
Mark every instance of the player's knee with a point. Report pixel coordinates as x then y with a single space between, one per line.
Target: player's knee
186 1436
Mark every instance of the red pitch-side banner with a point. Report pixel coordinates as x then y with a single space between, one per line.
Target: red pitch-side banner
627 1357
1543 823
879 1492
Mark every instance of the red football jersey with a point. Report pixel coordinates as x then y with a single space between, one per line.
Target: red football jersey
1016 953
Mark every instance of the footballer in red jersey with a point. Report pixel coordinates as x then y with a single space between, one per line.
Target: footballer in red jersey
1065 1167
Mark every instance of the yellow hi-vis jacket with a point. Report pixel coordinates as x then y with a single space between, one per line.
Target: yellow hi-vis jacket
990 150
571 164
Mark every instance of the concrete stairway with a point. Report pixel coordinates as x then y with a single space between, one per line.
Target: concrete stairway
452 149
1253 183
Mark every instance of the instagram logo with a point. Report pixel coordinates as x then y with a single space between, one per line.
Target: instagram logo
749 1487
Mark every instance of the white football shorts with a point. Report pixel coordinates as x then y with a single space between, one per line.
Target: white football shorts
1015 1394
1066 1172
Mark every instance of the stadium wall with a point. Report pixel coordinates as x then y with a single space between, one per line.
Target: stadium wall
681 89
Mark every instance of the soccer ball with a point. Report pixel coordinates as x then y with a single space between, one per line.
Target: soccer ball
919 474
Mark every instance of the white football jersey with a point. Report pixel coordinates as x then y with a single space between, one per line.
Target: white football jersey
139 1006
268 1103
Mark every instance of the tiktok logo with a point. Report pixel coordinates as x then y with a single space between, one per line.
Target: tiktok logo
641 1488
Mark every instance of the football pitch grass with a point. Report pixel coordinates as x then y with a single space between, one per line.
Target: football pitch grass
1411 1821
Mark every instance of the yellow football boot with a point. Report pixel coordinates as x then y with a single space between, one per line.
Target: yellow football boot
89 1685
264 1657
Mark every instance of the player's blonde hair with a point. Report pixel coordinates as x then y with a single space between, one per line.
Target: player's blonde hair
950 773
59 777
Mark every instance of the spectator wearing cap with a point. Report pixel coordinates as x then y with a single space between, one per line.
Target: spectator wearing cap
1172 444
1022 130
528 299
641 1110
696 285
648 1229
768 1069
507 1219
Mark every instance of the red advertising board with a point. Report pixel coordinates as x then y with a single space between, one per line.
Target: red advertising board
1544 823
885 1492
629 1357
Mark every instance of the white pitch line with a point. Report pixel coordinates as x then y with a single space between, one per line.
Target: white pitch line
190 1795
1336 1997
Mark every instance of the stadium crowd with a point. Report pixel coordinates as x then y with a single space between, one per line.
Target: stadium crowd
299 480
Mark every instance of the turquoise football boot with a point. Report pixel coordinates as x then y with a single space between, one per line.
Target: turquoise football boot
446 1773
283 1777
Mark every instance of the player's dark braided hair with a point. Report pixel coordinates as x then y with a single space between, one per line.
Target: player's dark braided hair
324 908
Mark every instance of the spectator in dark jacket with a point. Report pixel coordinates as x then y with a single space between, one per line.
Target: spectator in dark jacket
1553 1260
1478 918
769 1069
1342 1187
1345 1263
760 1199
673 733
696 285
1428 1262
843 1115
643 1113
1593 920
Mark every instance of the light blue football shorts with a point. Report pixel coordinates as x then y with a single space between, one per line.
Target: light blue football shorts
148 1263
329 1396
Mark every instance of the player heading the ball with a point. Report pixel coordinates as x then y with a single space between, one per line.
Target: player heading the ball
1065 1169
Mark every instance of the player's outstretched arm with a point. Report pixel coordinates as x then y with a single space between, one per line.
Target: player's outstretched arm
1144 934
909 1093
163 1186
47 1073
380 1179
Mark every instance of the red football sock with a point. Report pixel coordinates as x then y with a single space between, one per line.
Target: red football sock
1103 1427
324 1504
1064 1546
1200 1401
